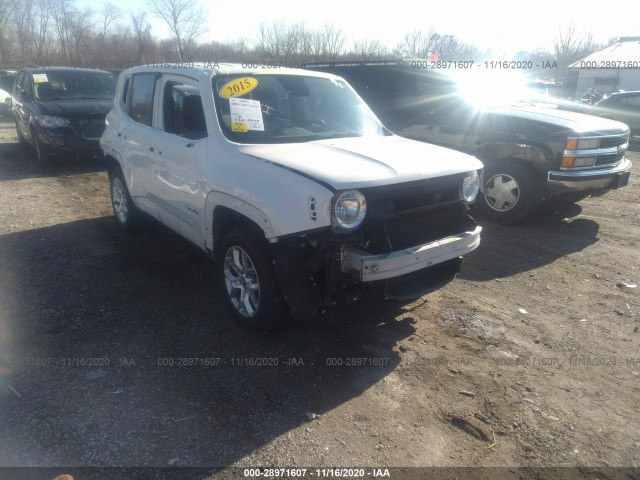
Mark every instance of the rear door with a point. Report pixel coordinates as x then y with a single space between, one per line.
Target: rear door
141 140
21 104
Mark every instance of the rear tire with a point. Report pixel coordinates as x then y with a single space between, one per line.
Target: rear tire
126 213
249 283
511 192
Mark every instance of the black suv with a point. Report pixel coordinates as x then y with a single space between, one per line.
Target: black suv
621 106
61 111
531 153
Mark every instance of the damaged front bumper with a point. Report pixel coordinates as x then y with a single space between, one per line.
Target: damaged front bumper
372 267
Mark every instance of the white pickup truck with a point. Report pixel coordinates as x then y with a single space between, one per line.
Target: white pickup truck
291 182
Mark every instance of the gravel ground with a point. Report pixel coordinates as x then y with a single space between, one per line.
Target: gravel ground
530 358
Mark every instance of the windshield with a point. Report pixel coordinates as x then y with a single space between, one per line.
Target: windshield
74 85
290 108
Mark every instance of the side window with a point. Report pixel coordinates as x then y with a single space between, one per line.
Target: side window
141 99
182 111
20 83
125 93
635 101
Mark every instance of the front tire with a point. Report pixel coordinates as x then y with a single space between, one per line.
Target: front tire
41 158
126 213
21 141
249 283
511 192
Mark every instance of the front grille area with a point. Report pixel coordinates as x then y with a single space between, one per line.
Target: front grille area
412 195
407 231
90 128
413 213
609 142
608 159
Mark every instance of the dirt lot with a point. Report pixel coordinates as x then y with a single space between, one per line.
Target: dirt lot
530 358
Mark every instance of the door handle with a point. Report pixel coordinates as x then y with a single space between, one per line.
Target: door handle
189 145
119 134
151 149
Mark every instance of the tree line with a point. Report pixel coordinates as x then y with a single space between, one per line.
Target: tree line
58 32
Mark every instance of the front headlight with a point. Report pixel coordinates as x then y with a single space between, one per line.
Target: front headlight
470 186
348 211
49 121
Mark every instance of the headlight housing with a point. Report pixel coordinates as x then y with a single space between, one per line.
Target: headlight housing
48 121
470 186
348 210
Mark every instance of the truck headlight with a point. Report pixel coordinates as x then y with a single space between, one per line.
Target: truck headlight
470 186
349 209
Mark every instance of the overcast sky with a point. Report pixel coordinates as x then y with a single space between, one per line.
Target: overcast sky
487 24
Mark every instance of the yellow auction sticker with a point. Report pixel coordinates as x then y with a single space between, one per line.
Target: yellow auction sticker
238 127
237 87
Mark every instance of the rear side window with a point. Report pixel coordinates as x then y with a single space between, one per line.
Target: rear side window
125 93
141 100
635 101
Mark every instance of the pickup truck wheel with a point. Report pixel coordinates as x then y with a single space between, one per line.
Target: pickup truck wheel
126 213
250 285
511 193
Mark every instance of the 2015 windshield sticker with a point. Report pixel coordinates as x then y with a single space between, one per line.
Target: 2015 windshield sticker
237 87
40 78
245 115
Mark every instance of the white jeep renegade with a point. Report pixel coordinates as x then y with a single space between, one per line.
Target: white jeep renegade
291 182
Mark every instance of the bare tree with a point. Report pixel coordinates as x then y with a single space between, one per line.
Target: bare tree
40 29
327 44
5 21
185 20
569 47
80 26
369 50
417 44
142 33
109 14
62 12
271 40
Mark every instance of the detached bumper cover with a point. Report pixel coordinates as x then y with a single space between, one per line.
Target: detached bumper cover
394 264
567 180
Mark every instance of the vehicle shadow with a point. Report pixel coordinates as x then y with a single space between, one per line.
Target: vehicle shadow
18 162
119 351
509 250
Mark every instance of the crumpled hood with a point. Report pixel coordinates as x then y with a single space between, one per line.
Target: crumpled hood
365 161
77 107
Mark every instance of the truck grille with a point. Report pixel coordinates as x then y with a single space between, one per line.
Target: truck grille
609 150
608 159
610 142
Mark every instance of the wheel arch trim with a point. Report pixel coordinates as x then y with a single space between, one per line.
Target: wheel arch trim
240 207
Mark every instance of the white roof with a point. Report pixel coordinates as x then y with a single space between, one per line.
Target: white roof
214 68
626 49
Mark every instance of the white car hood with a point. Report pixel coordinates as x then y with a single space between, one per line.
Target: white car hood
365 161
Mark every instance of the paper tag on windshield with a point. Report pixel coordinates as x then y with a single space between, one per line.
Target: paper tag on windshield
40 78
245 115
